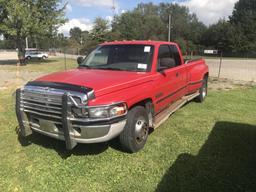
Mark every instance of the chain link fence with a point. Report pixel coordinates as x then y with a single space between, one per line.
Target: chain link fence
239 66
232 68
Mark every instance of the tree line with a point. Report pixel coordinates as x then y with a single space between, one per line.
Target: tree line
150 21
145 21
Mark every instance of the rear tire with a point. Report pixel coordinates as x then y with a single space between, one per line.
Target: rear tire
43 58
28 57
135 133
203 91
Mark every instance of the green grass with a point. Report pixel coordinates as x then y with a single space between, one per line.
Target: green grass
202 147
47 66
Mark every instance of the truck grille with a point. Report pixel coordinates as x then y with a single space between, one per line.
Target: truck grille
42 103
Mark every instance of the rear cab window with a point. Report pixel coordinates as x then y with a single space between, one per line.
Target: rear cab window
176 55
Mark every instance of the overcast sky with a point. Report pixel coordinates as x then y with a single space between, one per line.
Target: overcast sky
81 13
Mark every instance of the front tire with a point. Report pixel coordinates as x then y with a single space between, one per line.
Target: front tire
135 133
203 91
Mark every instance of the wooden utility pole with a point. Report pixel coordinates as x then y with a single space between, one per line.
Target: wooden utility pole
26 42
169 28
220 64
113 8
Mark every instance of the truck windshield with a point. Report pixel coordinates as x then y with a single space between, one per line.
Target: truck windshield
121 57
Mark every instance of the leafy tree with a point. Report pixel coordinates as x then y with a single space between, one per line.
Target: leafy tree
127 26
149 21
100 30
184 25
196 30
244 20
99 33
60 41
29 17
183 45
219 36
85 36
76 34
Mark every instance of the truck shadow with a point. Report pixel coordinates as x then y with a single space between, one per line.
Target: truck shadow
60 147
226 162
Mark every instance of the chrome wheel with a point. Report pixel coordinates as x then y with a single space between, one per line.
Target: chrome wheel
141 130
135 133
204 91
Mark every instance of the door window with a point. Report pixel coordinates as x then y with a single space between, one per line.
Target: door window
165 58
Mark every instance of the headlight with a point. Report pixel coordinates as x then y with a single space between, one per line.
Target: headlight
98 112
110 111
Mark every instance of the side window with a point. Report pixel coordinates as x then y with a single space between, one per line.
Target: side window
165 58
176 55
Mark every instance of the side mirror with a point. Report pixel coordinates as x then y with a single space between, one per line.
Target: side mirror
161 68
166 63
79 60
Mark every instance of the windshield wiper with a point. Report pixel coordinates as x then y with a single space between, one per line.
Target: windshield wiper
84 66
110 68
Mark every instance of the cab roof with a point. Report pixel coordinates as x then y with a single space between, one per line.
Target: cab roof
142 42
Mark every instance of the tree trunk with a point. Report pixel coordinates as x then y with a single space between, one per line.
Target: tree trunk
21 50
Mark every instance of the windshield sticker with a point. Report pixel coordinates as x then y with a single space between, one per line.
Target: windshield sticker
147 49
142 66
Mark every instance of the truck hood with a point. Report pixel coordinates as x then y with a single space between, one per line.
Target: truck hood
101 81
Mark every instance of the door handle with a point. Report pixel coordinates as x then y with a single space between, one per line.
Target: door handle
177 74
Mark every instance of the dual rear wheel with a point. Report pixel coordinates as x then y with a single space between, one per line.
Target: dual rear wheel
203 91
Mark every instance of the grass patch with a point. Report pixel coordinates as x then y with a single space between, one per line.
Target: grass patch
44 66
202 147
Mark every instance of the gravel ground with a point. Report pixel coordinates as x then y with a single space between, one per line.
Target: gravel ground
235 69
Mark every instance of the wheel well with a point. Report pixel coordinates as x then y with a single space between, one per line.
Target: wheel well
142 103
148 105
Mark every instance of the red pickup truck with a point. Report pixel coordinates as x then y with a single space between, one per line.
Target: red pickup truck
121 89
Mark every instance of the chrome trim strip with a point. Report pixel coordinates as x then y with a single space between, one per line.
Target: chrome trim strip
52 91
43 110
39 105
42 114
40 101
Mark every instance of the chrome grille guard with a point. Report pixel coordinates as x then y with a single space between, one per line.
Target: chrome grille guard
52 100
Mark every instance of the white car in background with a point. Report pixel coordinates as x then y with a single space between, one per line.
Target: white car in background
35 55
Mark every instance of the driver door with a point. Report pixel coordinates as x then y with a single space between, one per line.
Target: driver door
171 78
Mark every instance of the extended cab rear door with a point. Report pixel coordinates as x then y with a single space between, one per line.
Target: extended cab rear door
171 82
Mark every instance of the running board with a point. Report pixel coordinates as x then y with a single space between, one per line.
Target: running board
164 115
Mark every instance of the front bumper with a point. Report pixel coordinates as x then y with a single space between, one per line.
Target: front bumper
66 130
